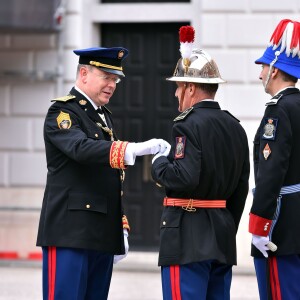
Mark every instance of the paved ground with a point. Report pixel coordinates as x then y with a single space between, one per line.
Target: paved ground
24 282
146 286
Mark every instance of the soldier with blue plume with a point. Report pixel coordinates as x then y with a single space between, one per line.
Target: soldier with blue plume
274 216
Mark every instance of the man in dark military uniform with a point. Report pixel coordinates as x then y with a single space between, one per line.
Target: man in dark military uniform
205 177
83 229
275 211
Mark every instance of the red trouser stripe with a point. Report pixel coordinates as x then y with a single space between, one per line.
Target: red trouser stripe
274 279
51 272
175 282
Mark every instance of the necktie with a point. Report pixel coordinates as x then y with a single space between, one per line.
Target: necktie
99 110
101 114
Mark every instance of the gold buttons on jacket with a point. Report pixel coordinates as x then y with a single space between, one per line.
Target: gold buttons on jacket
164 223
87 206
96 134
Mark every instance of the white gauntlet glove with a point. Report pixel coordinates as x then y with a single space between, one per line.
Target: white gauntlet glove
165 148
149 147
117 258
260 242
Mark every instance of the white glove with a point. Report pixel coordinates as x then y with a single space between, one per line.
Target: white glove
149 147
117 258
260 242
164 151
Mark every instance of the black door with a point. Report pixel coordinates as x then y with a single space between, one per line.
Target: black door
143 107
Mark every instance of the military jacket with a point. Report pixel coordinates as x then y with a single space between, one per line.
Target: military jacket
209 160
276 157
82 200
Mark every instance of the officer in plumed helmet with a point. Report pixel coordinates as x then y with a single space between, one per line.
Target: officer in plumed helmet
274 216
83 228
205 177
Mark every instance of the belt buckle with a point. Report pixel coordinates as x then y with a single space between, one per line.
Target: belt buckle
189 206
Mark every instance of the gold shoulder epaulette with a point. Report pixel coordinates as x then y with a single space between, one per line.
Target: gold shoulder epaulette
107 109
183 114
64 98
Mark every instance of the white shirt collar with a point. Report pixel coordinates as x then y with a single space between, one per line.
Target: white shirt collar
86 96
208 100
277 96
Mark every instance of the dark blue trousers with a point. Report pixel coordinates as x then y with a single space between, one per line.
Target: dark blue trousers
278 277
76 274
207 280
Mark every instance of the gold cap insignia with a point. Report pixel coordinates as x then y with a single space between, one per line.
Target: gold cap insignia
120 54
82 102
64 121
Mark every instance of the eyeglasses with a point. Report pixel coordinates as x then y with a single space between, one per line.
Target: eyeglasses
109 78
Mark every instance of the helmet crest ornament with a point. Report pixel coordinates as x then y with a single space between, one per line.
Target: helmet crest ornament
194 65
186 39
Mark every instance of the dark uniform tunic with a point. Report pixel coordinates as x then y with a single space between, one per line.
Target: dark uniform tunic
82 200
277 164
209 160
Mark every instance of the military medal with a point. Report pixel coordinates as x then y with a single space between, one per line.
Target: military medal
267 151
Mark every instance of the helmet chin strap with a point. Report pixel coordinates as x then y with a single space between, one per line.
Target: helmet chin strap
268 78
182 97
277 53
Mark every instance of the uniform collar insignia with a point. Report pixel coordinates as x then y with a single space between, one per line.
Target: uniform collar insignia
286 91
183 114
82 102
274 100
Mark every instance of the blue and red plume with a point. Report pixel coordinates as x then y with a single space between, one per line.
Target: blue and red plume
287 34
283 51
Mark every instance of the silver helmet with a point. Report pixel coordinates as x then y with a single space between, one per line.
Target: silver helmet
200 67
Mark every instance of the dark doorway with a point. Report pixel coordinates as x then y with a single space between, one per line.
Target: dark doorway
143 107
